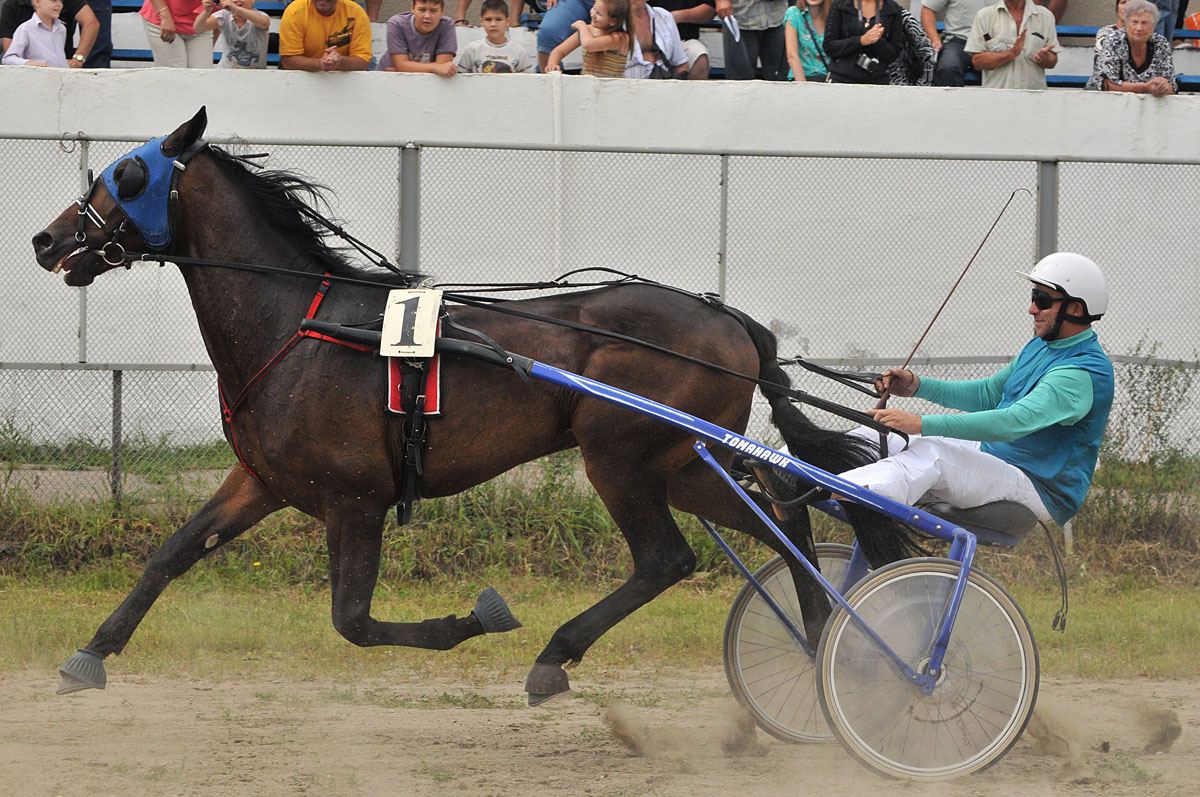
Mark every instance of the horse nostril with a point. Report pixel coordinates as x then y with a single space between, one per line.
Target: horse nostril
43 241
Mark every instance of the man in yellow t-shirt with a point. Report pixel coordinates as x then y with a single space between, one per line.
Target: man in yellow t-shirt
324 36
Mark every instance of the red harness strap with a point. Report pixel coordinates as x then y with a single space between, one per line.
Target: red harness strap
229 407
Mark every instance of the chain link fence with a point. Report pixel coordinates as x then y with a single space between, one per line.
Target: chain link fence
107 391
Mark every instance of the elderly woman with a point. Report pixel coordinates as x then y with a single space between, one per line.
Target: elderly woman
1135 58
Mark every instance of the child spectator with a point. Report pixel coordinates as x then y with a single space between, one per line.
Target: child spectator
494 54
607 42
537 7
245 31
39 41
421 40
74 14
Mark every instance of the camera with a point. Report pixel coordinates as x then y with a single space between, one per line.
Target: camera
867 63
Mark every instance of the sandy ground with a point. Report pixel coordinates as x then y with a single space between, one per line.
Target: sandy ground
632 735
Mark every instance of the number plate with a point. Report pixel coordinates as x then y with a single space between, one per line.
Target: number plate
410 322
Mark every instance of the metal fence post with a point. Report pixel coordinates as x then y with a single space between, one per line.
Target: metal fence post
84 185
722 249
115 474
1047 208
410 208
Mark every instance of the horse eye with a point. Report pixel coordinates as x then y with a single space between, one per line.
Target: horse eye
131 178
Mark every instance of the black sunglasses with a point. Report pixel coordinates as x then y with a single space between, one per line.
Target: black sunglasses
1044 301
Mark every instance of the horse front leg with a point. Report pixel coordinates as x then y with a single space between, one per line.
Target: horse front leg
355 541
239 503
661 558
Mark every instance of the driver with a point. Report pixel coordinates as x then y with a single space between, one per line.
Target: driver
1030 434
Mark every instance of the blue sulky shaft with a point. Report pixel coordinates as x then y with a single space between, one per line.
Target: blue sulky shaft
963 542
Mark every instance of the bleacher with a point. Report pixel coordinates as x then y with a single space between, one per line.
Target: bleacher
1084 34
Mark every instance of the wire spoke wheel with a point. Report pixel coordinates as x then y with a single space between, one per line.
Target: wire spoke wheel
768 671
985 693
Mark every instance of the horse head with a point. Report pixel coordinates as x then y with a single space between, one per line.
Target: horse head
99 231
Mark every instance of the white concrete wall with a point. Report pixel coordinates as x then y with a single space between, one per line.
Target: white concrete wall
564 110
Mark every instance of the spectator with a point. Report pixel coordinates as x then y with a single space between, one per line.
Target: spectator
1107 30
1192 24
1055 7
170 29
1101 35
324 36
558 24
421 40
1165 22
607 42
1008 59
952 59
101 54
688 15
39 40
16 12
863 39
760 23
245 31
535 6
915 65
804 37
657 50
1135 58
495 54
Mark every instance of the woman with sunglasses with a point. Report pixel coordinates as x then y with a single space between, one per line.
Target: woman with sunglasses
1030 433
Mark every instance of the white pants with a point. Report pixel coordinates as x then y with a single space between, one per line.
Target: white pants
194 51
693 49
944 469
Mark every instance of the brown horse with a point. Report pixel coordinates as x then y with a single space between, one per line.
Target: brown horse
311 432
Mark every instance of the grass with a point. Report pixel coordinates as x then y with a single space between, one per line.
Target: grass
210 630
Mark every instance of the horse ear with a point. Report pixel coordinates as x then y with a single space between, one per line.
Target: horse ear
186 134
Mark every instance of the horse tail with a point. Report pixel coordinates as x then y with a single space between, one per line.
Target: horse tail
826 449
882 538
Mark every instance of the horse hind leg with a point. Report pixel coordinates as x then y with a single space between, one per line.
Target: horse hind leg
698 490
355 541
239 503
661 557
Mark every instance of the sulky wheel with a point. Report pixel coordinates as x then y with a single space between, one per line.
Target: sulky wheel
979 706
768 672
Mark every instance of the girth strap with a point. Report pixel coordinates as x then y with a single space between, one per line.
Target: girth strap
412 448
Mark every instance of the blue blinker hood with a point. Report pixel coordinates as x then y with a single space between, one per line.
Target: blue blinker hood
148 203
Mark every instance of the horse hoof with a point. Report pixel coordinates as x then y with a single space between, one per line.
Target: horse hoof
492 613
544 682
84 670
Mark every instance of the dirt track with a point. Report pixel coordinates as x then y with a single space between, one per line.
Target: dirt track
632 734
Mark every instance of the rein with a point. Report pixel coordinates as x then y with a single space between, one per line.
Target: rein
492 305
114 254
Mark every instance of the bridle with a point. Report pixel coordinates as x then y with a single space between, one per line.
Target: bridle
111 251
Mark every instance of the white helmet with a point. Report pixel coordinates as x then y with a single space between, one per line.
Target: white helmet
1077 277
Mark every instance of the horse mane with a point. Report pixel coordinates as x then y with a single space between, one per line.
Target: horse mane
286 200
